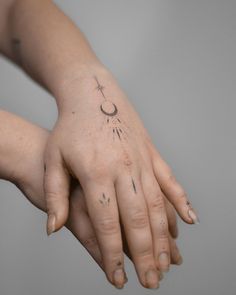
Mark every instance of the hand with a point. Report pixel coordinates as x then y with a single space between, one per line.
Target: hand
28 176
100 140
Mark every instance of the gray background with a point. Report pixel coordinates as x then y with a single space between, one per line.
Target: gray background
176 61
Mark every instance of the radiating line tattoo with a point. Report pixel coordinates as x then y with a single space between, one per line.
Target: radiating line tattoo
104 200
110 110
16 47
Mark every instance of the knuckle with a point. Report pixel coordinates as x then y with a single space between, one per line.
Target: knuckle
157 203
98 171
51 196
162 228
107 226
145 252
139 219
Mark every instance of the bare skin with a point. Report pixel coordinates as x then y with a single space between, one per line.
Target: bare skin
16 138
99 140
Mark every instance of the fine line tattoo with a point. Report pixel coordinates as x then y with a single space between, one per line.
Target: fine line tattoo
110 110
104 200
134 186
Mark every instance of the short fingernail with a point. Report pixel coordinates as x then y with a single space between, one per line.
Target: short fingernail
161 276
164 261
193 216
126 278
51 224
180 260
152 279
119 278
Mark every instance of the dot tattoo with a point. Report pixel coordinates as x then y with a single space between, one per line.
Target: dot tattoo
104 200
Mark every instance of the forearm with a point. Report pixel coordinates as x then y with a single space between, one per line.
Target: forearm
46 44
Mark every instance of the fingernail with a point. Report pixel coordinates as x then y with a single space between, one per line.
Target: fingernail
119 278
161 276
193 216
152 279
164 261
51 224
180 260
126 278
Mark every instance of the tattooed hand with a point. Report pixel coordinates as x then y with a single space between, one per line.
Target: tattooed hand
100 140
24 144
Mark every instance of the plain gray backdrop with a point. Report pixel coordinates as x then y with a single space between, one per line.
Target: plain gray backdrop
176 61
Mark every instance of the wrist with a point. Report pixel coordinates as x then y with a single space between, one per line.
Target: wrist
76 83
20 142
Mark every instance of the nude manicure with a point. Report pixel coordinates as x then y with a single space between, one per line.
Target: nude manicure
180 260
164 261
51 224
119 278
152 279
193 216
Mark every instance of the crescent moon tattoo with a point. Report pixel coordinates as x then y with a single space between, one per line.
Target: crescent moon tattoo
111 114
110 110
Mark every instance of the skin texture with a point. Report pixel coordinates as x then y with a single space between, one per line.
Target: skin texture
30 141
99 140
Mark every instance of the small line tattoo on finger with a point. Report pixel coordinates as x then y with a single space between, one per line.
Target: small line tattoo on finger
134 186
104 200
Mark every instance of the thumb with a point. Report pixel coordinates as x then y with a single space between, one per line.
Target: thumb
56 187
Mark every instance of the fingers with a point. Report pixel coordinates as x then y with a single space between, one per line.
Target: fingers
134 215
173 190
81 227
56 186
103 212
158 220
172 220
176 258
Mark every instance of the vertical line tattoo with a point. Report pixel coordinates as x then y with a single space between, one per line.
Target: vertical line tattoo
134 186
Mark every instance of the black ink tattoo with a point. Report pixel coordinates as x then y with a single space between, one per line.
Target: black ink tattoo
104 200
100 87
16 47
134 186
110 110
